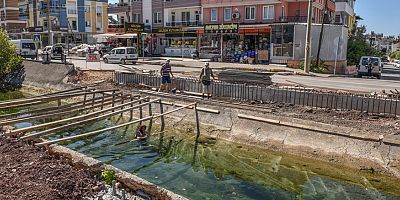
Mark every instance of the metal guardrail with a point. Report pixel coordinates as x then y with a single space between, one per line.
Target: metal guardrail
267 94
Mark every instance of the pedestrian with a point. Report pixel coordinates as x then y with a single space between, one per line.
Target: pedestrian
370 67
141 133
205 78
166 74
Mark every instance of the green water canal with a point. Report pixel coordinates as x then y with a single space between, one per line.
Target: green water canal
204 168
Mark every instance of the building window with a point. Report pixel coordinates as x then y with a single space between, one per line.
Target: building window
136 18
87 8
88 24
268 12
74 25
228 14
250 13
157 18
72 8
214 14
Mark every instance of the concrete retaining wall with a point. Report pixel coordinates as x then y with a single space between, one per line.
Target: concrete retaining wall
46 75
341 145
131 181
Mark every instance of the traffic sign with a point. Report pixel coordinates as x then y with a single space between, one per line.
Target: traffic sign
144 35
36 38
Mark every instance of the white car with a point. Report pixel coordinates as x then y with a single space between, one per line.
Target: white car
121 55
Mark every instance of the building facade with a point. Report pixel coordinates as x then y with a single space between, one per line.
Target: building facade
54 20
345 14
10 16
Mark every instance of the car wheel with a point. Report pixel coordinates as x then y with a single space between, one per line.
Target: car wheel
133 63
379 76
106 60
359 76
123 61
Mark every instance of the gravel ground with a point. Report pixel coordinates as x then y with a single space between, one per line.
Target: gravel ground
29 173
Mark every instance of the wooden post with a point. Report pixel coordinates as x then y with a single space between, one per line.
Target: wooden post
113 100
93 97
140 112
59 103
84 100
151 120
102 101
131 111
162 116
122 102
197 121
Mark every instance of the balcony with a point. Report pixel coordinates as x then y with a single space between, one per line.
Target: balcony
118 8
72 12
184 24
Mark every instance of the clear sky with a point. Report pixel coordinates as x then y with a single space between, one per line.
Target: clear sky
381 16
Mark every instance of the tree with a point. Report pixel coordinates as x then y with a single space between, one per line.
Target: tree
358 46
11 69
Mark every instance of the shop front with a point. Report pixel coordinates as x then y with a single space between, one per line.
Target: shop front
174 42
231 43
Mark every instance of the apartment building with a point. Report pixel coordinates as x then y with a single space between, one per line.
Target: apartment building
345 13
78 19
10 17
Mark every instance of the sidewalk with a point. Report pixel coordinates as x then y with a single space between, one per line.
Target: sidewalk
190 63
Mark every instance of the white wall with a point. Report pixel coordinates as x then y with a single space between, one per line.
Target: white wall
147 12
329 42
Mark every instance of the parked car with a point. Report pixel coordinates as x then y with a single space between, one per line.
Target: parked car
396 63
121 55
369 66
25 48
47 49
56 51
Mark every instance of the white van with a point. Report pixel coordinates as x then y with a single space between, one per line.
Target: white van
121 55
25 48
367 62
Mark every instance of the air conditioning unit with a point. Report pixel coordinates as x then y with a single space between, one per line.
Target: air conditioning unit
235 15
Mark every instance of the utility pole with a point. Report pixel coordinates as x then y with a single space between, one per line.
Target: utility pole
321 34
49 37
307 59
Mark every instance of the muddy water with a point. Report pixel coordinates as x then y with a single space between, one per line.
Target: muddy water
204 168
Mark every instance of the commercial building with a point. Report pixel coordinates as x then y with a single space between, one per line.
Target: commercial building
264 32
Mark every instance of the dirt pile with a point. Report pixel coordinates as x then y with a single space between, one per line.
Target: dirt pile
27 172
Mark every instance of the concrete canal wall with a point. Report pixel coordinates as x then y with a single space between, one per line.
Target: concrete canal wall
341 145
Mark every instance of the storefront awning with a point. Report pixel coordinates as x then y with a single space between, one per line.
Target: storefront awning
115 35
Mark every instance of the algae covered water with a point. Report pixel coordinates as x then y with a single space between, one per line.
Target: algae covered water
205 168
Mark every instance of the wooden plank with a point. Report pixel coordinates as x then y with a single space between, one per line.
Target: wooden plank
48 109
45 116
111 128
82 122
39 126
8 105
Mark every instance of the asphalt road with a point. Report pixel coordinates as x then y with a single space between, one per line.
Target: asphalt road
390 77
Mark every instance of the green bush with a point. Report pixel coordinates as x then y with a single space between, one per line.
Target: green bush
11 69
314 67
108 176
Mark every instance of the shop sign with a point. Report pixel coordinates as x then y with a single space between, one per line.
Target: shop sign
168 30
35 29
134 27
221 28
115 30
